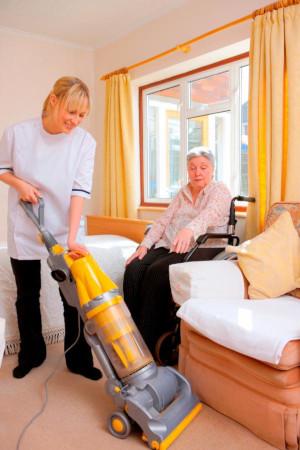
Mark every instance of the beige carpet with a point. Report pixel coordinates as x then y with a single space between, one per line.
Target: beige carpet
77 410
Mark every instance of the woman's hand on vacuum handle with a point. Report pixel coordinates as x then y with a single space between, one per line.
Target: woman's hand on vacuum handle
28 193
139 253
74 247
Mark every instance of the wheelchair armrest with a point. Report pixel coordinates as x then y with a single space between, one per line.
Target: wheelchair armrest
224 256
232 240
203 237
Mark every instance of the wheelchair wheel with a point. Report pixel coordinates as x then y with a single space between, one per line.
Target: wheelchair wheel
167 348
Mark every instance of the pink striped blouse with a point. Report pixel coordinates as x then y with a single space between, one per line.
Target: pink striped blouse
209 213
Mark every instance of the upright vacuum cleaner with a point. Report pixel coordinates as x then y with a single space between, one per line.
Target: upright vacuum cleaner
158 399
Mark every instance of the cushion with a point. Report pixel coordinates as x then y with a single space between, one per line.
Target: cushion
271 261
294 210
198 279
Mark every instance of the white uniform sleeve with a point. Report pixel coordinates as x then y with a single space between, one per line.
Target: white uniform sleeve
82 185
6 150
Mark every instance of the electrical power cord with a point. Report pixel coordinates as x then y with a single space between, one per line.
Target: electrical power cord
45 384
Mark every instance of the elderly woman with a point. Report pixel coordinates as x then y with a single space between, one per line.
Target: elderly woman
201 206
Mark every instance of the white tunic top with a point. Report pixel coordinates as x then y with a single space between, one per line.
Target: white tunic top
59 165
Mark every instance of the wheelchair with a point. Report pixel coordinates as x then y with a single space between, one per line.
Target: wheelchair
167 346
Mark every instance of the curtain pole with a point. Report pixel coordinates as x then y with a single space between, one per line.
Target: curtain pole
184 47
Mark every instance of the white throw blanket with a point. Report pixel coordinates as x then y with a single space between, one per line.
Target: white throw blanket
256 328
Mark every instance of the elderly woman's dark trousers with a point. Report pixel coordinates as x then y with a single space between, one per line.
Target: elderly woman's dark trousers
147 290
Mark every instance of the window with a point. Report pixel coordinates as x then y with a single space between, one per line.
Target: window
206 107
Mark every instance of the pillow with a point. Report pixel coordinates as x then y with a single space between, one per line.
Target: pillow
197 279
271 260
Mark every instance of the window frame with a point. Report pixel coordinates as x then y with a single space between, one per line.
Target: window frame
180 79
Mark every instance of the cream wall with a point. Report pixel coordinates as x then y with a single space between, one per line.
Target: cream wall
30 64
180 25
29 67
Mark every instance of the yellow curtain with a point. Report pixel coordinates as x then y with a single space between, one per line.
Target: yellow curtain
119 155
274 110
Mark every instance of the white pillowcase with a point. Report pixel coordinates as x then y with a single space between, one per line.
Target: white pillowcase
206 280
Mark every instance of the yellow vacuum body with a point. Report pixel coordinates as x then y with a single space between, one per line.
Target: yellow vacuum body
108 317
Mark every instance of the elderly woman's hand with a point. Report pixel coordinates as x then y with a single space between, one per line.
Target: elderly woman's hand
139 253
182 241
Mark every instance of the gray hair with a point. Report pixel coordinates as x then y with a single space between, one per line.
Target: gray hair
201 151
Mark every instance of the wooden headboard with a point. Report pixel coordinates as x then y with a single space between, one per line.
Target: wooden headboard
131 228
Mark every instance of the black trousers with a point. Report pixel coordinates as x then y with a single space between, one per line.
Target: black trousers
147 290
32 348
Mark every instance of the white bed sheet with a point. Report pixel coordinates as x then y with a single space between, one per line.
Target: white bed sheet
110 252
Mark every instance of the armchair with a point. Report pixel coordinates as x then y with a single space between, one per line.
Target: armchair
241 356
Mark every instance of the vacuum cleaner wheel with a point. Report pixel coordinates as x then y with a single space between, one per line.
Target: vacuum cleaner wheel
119 425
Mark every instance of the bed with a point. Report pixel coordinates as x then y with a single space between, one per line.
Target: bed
110 240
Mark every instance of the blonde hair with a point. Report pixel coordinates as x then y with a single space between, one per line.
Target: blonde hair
70 91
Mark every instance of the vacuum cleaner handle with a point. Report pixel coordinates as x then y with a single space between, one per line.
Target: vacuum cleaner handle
39 220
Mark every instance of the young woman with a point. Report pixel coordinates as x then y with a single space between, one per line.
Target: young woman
49 157
201 206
